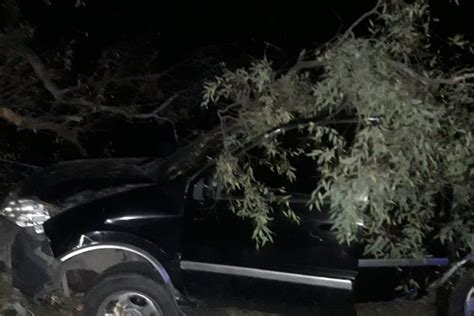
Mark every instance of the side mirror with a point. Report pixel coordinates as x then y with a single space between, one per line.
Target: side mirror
206 189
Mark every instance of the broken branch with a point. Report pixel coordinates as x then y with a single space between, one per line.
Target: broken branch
456 79
36 124
42 74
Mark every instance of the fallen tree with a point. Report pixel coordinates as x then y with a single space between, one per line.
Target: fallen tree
420 147
32 100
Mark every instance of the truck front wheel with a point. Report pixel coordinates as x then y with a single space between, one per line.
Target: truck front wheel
129 293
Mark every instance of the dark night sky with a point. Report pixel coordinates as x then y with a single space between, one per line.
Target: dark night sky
177 27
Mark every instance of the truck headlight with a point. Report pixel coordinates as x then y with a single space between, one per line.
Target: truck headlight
28 213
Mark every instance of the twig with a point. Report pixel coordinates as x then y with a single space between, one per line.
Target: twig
427 80
310 64
364 16
42 73
20 164
302 64
456 79
152 77
96 107
165 104
155 112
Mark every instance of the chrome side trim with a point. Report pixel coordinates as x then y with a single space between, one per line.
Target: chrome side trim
380 263
336 283
117 246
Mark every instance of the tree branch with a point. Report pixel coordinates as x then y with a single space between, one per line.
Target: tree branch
35 124
304 64
149 77
42 74
14 43
19 164
155 112
95 107
427 80
78 103
456 79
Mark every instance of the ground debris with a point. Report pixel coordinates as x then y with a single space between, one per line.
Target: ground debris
15 309
12 303
422 307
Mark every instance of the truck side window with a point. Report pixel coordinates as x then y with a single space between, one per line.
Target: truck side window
306 170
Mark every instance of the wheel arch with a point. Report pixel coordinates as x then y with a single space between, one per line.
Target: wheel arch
129 248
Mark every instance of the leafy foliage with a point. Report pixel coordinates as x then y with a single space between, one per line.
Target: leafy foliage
412 144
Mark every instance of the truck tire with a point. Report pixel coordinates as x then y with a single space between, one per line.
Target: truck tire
131 292
461 300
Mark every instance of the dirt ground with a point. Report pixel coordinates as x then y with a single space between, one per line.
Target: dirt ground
12 303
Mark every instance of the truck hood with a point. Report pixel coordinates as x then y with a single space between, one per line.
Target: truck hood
71 183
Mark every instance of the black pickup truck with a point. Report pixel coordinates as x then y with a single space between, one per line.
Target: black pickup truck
158 236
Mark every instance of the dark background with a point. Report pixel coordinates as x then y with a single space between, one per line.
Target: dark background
179 27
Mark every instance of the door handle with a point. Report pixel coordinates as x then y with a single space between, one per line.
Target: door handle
321 231
316 237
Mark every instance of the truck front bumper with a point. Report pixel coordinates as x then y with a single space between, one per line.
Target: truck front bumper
33 268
